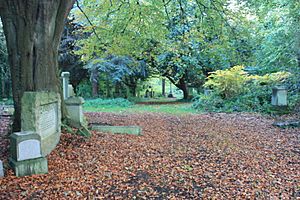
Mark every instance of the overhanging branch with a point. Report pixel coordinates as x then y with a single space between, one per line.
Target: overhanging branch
87 18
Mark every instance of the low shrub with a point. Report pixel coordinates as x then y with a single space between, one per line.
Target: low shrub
236 91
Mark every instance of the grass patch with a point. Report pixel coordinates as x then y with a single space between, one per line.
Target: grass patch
176 109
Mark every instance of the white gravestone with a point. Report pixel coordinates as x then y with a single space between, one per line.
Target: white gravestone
25 145
65 79
1 169
29 149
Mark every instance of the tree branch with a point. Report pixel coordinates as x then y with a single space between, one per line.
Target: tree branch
87 18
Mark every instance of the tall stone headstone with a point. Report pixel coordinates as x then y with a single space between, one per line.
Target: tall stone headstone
279 96
1 169
41 114
65 81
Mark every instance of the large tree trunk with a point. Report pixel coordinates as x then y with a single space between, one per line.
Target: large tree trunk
33 30
95 89
163 87
181 84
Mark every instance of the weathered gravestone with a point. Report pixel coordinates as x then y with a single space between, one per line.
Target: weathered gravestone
28 146
75 111
41 114
279 96
1 169
25 151
71 92
65 80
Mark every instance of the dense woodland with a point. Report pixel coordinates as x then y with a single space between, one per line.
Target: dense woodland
237 49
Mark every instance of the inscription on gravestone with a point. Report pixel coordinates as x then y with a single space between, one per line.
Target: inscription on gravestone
48 119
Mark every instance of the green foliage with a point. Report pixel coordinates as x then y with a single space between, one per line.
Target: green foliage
235 91
83 131
256 101
125 27
229 82
7 102
84 89
119 102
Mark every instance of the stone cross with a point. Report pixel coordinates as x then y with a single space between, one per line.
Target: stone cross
65 79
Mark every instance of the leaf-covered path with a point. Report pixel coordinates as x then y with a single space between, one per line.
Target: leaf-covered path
209 156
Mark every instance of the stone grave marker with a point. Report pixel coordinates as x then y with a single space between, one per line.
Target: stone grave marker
65 79
1 169
279 96
71 91
41 114
25 151
75 111
25 146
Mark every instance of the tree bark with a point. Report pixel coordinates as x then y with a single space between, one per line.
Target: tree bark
33 30
95 88
181 84
163 87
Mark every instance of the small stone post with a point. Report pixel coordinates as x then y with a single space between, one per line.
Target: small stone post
279 96
65 79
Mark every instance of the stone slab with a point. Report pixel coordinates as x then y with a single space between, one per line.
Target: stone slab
132 130
287 124
29 167
41 113
1 169
25 145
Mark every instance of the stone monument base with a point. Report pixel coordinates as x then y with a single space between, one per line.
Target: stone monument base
29 167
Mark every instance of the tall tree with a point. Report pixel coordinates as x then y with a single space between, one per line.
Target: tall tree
33 32
4 68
